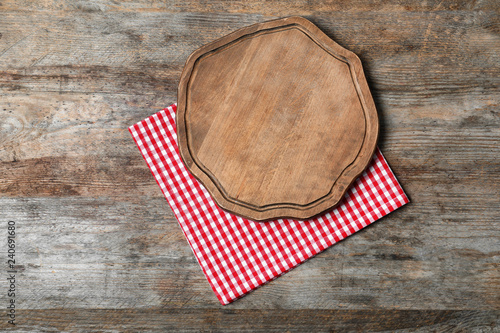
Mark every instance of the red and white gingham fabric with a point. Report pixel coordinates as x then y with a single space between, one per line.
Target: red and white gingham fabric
238 255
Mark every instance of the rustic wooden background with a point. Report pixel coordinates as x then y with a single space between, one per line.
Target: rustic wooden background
98 246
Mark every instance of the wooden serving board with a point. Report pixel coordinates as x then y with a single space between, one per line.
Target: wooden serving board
275 120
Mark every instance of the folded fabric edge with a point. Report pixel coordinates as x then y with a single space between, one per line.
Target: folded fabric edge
393 177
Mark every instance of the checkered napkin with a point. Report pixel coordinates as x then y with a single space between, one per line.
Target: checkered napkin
238 255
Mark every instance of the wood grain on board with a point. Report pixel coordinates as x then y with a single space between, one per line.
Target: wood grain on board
99 249
276 120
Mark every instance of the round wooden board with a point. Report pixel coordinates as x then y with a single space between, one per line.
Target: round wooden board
275 120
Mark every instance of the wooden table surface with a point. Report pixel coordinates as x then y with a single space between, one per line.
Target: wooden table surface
98 248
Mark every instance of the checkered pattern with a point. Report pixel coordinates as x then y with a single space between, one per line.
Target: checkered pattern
238 255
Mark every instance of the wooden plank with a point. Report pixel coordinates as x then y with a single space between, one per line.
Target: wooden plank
160 42
464 161
277 320
84 252
273 7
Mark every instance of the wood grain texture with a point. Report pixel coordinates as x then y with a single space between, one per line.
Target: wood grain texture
100 249
224 320
276 120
